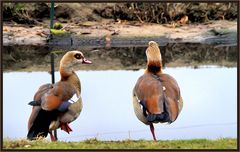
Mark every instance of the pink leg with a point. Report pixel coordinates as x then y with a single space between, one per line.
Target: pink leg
152 131
52 137
65 127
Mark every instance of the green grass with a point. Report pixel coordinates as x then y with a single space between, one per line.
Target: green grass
223 143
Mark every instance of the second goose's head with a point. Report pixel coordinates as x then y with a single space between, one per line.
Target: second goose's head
154 58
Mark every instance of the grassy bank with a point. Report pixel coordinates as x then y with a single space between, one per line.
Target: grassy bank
223 143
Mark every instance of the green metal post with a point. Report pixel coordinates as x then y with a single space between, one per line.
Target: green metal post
52 14
52 55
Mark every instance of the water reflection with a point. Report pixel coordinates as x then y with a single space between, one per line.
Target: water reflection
125 57
210 105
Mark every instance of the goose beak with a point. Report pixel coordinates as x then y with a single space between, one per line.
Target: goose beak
85 61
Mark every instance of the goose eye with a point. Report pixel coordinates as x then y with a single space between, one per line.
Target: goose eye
78 56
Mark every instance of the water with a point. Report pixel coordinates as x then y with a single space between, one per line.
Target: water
209 93
18 58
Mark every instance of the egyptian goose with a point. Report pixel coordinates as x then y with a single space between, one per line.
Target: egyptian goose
156 96
51 103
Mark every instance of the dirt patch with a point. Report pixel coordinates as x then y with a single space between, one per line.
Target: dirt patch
224 32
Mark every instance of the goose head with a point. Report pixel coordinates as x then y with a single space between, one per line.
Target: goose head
154 58
70 59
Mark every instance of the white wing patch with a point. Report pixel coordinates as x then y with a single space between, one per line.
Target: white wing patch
74 98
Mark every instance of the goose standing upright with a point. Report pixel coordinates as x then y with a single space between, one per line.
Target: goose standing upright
51 107
156 96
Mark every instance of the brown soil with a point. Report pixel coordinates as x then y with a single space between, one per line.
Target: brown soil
106 29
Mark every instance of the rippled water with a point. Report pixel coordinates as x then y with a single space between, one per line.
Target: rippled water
209 93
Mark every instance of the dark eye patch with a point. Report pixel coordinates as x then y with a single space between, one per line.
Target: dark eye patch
78 56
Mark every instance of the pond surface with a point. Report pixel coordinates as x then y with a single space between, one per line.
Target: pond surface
209 111
35 58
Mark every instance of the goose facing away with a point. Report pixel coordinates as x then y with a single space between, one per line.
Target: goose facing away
52 108
156 95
